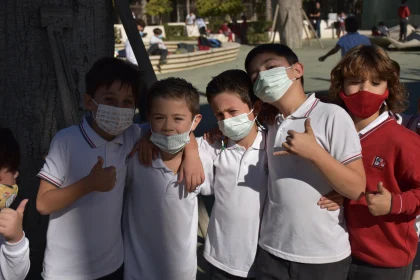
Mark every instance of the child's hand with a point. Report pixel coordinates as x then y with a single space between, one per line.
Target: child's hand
147 151
102 179
332 201
11 223
379 203
301 144
192 171
214 135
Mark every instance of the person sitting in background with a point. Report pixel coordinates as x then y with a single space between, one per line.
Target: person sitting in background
375 31
202 27
224 29
383 30
348 41
157 47
190 19
129 54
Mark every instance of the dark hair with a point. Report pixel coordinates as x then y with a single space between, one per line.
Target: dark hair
175 88
235 81
372 62
351 24
403 1
157 31
108 70
9 151
277 49
141 22
381 23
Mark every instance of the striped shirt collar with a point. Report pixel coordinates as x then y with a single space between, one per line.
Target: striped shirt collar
305 109
93 139
378 122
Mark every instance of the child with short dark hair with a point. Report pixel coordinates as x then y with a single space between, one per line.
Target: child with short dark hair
157 47
161 217
83 178
312 150
14 249
381 223
383 30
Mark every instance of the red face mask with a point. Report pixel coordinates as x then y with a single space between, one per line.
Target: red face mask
364 104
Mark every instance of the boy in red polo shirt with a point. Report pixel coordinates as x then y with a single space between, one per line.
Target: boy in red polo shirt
381 223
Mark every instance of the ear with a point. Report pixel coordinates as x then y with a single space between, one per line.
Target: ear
298 70
257 107
88 102
197 120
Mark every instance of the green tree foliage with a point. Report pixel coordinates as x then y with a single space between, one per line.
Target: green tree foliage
218 7
158 7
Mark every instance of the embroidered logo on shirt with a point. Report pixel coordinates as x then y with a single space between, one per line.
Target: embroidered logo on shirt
379 163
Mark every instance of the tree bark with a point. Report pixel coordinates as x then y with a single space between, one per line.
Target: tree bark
290 23
143 14
269 10
30 101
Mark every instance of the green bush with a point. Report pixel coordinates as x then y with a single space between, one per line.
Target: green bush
256 38
179 38
259 26
173 30
214 25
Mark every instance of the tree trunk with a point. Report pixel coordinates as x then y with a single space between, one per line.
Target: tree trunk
188 7
269 10
30 101
290 23
143 14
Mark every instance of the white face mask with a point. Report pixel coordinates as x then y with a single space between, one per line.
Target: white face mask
113 120
272 84
238 127
171 144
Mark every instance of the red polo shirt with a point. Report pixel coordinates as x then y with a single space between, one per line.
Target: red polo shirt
391 155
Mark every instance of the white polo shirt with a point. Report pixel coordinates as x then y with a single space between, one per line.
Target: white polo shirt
160 223
294 227
240 188
84 240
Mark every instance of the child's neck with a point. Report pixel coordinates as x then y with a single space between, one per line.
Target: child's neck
249 139
291 101
360 123
172 161
100 132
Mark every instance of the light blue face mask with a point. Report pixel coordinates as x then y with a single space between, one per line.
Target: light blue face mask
171 144
238 127
272 84
160 36
141 33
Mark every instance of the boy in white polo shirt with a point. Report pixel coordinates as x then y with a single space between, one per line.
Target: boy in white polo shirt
160 216
83 178
240 177
298 239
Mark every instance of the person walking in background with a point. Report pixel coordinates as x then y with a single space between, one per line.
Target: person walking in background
403 14
316 18
348 41
244 33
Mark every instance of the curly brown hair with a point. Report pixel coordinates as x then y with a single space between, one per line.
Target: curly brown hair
369 62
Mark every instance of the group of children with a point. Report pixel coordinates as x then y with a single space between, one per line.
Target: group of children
278 187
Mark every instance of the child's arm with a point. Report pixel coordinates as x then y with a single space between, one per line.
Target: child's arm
348 180
330 53
191 169
51 198
14 255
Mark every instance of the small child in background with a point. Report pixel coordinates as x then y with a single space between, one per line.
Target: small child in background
383 30
14 250
157 47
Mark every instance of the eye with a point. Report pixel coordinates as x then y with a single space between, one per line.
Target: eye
354 82
158 118
375 83
271 67
179 119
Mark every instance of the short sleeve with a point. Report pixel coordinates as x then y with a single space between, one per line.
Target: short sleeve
212 149
340 42
55 166
343 137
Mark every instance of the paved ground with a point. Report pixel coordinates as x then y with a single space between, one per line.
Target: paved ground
316 75
316 80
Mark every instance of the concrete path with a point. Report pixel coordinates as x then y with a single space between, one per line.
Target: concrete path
317 79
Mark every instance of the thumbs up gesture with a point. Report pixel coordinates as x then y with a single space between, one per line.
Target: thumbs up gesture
11 222
102 179
379 203
301 144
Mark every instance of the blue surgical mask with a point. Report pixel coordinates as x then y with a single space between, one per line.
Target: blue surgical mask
171 144
160 36
238 127
141 33
272 84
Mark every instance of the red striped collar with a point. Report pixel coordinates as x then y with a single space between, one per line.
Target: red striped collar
384 118
92 138
305 109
